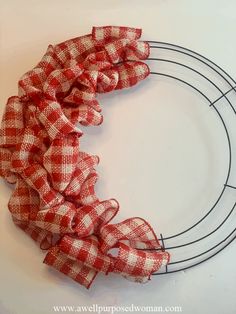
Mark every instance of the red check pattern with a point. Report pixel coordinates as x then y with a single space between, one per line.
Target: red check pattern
54 200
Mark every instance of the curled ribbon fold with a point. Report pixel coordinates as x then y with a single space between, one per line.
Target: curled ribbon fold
54 200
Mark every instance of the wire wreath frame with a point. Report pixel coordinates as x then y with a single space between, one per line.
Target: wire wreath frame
230 84
74 226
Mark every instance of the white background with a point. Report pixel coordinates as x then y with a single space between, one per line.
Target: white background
144 164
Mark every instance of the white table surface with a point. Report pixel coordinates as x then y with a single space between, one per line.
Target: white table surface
128 153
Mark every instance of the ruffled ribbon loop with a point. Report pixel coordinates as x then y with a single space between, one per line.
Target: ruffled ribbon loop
89 256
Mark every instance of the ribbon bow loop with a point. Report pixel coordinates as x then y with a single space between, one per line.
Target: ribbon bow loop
136 231
107 33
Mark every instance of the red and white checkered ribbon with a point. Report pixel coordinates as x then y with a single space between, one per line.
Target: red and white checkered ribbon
54 199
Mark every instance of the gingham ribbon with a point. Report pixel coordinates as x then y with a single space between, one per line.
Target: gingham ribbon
54 199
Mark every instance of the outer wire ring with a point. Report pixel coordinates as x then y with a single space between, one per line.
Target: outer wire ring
232 87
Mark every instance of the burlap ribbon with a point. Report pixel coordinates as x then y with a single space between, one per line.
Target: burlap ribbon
54 199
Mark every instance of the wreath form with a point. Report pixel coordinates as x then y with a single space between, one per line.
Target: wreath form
178 265
94 235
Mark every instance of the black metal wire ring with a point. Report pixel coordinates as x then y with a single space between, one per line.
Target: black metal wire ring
231 83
